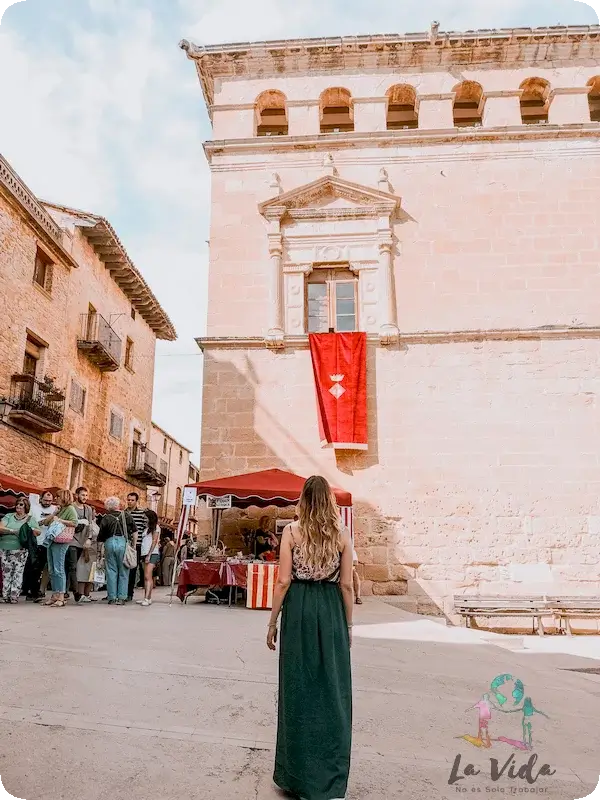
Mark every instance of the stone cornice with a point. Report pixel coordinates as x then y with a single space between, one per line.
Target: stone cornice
438 96
364 212
299 203
415 136
569 90
109 249
381 99
543 333
503 93
551 46
29 205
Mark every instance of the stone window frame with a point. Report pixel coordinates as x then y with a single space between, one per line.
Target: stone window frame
302 204
129 356
42 255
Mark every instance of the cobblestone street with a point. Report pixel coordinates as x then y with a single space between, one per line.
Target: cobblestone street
129 703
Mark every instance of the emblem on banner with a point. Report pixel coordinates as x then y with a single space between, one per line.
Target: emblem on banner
337 390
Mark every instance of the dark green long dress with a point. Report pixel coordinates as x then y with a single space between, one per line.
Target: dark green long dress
314 732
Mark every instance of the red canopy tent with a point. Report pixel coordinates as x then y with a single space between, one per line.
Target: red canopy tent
271 487
11 488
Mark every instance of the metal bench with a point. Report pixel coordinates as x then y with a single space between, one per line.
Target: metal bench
565 609
471 606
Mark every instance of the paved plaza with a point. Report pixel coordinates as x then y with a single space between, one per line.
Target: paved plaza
108 703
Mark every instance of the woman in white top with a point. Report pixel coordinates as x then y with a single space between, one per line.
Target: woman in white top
150 555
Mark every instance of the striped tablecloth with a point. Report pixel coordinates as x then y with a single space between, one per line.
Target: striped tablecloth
261 585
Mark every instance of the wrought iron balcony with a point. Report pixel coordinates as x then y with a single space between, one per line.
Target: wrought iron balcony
100 342
36 405
143 466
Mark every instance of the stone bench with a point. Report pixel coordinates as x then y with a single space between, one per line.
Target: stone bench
562 609
565 609
471 606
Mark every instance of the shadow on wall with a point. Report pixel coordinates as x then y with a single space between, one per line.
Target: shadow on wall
231 445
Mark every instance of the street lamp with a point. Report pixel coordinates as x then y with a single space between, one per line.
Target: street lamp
6 406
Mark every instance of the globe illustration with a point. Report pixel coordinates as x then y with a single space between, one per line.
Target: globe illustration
507 691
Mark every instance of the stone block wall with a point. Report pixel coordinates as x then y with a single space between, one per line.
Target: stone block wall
482 467
55 318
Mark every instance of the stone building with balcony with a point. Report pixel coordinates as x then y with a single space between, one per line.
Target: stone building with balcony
441 193
78 330
175 470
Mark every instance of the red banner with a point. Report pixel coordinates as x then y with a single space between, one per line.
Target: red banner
340 368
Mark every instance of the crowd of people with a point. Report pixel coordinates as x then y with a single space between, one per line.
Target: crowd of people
65 545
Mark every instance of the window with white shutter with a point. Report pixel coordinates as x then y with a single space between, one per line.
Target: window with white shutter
116 425
77 398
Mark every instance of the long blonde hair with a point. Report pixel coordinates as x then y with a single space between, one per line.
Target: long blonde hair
320 525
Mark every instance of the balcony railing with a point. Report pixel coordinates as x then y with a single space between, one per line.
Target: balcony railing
37 405
143 466
100 342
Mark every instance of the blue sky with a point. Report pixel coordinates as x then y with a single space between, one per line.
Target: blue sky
102 111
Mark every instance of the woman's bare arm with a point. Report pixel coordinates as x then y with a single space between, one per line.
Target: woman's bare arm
346 577
283 584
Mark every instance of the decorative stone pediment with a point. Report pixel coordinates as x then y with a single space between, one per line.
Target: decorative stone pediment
331 196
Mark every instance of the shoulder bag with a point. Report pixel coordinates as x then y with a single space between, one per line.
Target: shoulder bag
66 534
130 557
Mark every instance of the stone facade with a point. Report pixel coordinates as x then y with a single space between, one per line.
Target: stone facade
175 465
84 450
475 255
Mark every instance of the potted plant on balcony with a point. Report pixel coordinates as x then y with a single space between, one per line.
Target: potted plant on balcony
49 386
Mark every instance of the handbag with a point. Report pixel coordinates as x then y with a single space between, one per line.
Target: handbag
130 557
64 536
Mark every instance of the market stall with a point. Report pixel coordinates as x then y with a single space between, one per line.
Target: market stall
273 487
10 489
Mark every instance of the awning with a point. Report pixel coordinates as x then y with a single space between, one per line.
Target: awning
271 487
15 487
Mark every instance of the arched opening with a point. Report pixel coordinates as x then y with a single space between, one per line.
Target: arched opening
336 111
594 98
271 116
468 107
401 108
534 101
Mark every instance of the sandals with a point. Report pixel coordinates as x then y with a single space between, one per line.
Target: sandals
359 601
58 604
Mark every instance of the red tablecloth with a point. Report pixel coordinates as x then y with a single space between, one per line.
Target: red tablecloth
210 573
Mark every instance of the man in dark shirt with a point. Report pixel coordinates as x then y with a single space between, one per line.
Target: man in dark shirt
136 576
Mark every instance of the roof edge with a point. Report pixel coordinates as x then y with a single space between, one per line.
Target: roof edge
17 190
168 435
195 51
124 272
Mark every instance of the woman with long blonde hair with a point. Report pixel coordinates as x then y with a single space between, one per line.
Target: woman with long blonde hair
314 593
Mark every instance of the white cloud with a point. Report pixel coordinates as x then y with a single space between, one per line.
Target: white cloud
232 20
102 111
105 115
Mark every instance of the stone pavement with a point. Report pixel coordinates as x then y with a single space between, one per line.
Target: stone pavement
108 703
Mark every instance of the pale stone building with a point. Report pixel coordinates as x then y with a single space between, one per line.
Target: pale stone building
454 180
177 470
78 329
